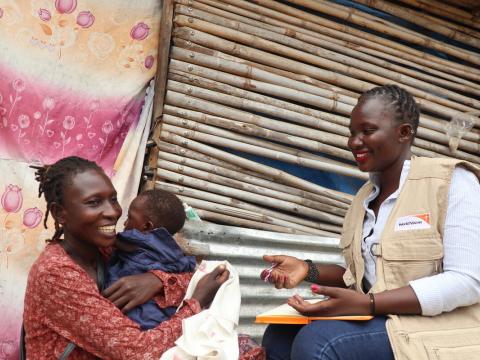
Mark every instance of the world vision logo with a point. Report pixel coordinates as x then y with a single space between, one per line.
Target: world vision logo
413 222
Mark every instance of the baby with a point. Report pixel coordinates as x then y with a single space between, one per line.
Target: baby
154 216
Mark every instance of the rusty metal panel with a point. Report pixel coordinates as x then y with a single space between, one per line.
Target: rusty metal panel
244 248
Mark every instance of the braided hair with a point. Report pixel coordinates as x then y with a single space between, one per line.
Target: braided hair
164 209
53 180
402 104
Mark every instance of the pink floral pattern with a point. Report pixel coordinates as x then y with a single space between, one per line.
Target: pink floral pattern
65 6
62 92
140 31
32 217
85 19
12 199
44 14
43 123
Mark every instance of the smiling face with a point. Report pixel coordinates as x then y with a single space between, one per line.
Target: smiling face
90 209
377 141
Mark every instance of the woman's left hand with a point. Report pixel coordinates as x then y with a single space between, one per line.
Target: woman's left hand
131 291
340 302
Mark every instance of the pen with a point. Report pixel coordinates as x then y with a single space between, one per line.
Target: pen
267 273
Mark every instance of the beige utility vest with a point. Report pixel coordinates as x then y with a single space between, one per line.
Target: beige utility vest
409 250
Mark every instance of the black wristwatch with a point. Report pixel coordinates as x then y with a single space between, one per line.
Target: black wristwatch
312 275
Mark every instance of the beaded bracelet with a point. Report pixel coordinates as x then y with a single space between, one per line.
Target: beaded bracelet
312 274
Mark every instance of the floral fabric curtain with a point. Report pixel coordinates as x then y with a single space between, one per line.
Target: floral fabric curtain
73 80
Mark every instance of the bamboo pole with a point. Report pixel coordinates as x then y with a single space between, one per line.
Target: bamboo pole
442 138
422 133
465 4
194 196
311 139
215 125
286 45
277 175
451 81
323 7
339 207
232 103
328 103
253 102
444 10
245 70
445 150
203 206
198 131
442 27
185 153
345 47
256 129
166 25
424 14
242 184
427 101
205 38
249 197
236 221
231 84
305 79
288 14
255 150
439 125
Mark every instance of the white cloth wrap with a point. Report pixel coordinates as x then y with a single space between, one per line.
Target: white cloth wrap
211 334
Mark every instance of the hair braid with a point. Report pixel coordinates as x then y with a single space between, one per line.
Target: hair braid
403 105
53 180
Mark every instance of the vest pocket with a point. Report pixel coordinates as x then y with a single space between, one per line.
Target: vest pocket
459 353
423 258
458 344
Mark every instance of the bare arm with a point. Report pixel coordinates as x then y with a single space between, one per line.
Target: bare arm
350 302
290 271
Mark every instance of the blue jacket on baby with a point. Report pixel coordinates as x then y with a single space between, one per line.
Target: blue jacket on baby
157 250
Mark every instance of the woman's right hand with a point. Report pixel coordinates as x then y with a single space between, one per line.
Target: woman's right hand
288 272
208 285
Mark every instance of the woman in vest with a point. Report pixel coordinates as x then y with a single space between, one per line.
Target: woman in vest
411 243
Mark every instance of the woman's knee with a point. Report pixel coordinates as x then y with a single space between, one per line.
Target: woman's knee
342 340
308 343
277 341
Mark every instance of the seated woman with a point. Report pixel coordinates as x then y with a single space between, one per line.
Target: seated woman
64 308
411 242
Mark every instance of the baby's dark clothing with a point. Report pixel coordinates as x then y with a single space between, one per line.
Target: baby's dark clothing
157 250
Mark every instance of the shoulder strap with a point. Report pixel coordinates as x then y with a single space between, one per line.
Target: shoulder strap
100 273
67 351
23 355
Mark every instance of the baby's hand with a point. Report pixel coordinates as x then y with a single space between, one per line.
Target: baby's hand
208 286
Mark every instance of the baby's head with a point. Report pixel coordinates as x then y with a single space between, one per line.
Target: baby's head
152 209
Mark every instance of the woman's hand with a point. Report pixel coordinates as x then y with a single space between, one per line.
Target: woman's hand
340 302
289 271
208 286
131 291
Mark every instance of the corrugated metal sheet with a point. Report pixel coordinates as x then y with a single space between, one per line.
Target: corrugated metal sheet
244 248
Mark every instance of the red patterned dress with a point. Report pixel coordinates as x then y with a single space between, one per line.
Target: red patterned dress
63 304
